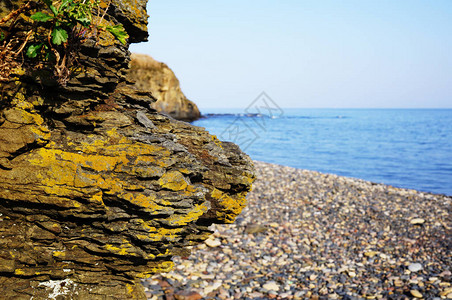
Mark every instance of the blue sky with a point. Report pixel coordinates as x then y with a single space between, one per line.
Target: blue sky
317 53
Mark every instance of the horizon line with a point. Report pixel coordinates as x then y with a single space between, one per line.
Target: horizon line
288 107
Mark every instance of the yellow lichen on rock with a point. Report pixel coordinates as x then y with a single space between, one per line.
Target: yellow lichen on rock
160 267
174 181
216 141
58 253
123 249
230 207
154 234
193 215
88 165
144 201
19 272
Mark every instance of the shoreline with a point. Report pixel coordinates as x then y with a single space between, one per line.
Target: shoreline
356 179
311 235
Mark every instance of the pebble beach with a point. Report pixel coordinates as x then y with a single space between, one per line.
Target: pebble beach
308 235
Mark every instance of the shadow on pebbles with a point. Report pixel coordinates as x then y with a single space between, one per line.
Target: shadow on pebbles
308 235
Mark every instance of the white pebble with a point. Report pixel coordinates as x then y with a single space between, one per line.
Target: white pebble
271 286
415 267
417 221
213 242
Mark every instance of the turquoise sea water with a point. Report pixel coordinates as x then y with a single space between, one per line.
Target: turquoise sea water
409 148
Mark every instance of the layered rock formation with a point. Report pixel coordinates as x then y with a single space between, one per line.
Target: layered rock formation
97 189
164 85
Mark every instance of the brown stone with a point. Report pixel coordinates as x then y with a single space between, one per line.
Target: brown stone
187 295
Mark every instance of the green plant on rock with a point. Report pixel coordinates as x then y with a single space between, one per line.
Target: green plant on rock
60 27
10 47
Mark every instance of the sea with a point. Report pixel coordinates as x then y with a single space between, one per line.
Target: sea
406 148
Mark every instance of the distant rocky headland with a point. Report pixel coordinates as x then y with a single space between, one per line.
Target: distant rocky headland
147 73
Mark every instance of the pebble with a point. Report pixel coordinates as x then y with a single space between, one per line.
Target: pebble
285 295
417 221
320 236
447 292
271 286
256 295
274 225
370 253
212 242
187 295
255 228
415 267
416 293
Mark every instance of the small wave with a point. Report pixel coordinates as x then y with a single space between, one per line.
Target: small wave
317 117
248 115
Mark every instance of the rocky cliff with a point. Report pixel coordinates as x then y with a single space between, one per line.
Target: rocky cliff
164 85
97 189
